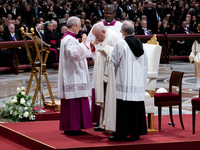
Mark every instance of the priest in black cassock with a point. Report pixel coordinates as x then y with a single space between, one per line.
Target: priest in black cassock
130 61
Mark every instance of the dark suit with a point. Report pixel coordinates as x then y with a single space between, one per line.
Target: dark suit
185 46
142 32
148 12
3 13
6 56
153 23
118 12
21 52
97 13
17 13
132 15
37 11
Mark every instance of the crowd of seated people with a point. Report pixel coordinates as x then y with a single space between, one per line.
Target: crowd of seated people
152 17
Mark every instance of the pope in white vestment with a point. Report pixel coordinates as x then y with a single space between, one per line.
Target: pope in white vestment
108 39
130 61
114 26
73 82
110 23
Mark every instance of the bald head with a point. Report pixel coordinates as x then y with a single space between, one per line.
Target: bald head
99 31
63 29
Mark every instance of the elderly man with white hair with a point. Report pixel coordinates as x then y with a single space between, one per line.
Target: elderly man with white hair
13 36
73 81
110 23
107 40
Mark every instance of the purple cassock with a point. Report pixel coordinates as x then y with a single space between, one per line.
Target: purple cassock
75 114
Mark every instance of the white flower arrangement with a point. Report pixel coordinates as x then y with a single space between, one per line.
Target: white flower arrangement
19 108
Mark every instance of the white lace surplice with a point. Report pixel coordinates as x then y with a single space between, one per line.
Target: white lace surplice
73 76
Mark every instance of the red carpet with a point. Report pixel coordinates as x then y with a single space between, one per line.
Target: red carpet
49 114
6 144
44 135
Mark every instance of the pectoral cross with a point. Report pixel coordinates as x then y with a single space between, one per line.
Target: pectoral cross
107 61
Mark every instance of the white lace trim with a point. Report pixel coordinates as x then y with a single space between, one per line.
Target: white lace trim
129 89
76 87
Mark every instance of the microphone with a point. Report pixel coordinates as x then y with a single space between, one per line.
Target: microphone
42 24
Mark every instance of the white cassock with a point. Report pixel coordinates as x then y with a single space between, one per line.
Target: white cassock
127 87
106 118
73 76
131 76
116 27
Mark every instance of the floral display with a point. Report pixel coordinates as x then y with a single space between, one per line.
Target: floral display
19 108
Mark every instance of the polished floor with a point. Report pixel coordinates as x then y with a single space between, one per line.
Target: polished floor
9 83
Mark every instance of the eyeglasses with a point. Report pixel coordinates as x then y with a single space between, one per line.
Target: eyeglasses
121 31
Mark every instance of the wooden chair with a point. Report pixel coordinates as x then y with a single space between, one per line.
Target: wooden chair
170 98
195 106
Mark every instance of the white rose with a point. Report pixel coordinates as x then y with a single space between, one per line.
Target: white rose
11 112
15 113
18 90
25 114
32 117
23 93
13 100
22 101
22 88
25 108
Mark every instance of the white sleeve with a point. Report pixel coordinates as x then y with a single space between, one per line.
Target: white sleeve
116 54
77 51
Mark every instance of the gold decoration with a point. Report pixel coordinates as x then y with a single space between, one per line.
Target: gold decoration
153 40
22 29
32 30
37 68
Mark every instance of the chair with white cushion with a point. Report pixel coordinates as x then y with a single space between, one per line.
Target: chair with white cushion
153 51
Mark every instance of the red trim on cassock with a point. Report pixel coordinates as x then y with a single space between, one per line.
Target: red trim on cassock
92 47
86 45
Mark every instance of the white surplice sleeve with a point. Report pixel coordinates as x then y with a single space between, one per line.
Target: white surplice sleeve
116 55
77 51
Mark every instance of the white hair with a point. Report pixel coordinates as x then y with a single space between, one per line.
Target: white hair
11 25
72 20
100 27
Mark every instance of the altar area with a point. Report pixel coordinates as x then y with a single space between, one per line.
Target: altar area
98 140
9 83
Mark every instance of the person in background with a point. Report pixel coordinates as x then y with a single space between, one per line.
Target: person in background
12 35
63 30
143 30
52 39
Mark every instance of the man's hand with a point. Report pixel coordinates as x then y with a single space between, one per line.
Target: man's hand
84 38
95 42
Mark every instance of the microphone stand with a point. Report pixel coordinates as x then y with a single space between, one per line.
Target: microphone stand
40 74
